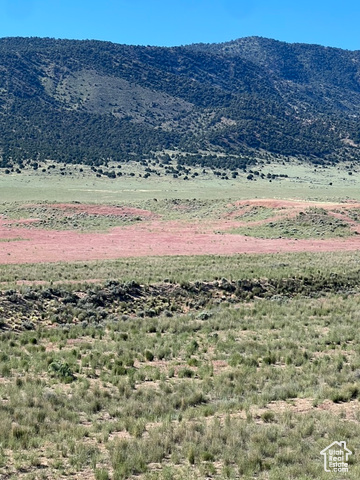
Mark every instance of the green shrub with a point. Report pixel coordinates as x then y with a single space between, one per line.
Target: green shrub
149 356
268 416
185 373
101 474
61 369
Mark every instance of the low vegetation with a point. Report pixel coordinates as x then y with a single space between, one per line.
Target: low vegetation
178 269
246 378
52 217
311 223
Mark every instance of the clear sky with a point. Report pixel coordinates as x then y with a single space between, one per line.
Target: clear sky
179 22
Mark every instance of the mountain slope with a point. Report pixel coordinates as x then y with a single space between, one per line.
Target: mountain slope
86 101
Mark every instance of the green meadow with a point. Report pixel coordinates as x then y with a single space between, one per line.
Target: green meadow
303 182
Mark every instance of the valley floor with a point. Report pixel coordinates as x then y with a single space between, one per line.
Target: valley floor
177 337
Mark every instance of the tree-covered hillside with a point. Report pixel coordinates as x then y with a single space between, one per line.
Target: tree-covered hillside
85 101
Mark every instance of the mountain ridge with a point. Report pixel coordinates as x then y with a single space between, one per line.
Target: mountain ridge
88 100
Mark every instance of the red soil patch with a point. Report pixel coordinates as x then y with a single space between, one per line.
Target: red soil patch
22 221
155 237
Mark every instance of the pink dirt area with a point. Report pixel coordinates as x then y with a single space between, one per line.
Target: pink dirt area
154 237
22 221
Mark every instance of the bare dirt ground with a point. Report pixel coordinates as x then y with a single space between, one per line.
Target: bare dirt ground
155 237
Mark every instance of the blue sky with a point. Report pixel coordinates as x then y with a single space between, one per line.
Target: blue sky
179 22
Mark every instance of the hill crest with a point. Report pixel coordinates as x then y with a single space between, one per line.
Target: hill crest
87 100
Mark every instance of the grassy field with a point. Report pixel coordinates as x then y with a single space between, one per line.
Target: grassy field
181 269
303 182
198 367
225 388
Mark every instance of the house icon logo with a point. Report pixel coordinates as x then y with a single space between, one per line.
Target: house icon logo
336 457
